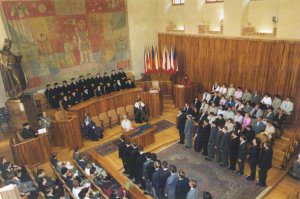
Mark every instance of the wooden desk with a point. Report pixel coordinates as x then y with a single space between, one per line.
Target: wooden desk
32 151
144 139
134 192
106 102
66 133
181 95
165 86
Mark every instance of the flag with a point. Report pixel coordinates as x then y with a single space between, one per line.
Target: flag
148 60
152 60
163 65
145 60
171 60
175 59
168 61
156 60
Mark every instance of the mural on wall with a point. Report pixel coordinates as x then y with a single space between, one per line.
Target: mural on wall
61 39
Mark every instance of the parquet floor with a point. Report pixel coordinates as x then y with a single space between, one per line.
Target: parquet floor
285 189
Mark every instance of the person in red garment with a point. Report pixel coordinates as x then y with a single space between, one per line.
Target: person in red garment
186 81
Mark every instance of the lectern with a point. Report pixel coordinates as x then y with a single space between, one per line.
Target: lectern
30 151
183 94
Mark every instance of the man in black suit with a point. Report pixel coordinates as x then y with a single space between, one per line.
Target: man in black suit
113 76
182 186
187 109
66 104
253 158
215 99
180 126
55 95
242 154
233 150
220 121
197 104
106 79
212 141
129 84
73 86
81 84
126 156
86 94
141 159
122 148
74 98
132 160
90 82
27 132
163 179
203 116
65 90
98 80
146 178
122 76
224 146
156 179
47 93
265 163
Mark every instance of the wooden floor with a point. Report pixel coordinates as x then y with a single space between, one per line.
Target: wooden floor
286 188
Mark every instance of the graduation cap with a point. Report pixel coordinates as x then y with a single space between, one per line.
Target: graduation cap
64 81
55 84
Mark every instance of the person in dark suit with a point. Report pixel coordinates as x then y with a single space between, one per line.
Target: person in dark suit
122 148
66 104
258 126
182 186
55 95
187 109
202 116
86 94
132 160
126 154
146 177
163 178
106 79
122 76
233 150
138 174
113 76
253 158
98 80
90 82
224 146
215 99
243 147
265 163
73 86
47 93
81 84
180 126
107 88
81 161
212 141
98 91
156 179
218 144
204 137
170 186
197 104
65 90
220 121
193 193
129 84
74 98
27 132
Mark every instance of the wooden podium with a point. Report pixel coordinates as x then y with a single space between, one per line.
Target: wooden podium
66 130
154 101
144 138
183 94
30 151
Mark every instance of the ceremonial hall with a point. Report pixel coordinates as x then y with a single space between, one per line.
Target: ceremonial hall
137 99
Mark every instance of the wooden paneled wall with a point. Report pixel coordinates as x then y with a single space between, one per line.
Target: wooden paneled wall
265 65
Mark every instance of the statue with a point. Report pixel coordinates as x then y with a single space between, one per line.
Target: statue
13 75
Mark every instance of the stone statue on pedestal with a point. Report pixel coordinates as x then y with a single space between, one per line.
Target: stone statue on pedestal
12 73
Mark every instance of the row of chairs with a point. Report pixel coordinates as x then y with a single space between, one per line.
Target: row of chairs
113 116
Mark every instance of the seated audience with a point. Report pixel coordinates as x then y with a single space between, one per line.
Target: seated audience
256 98
230 91
215 87
90 129
206 96
238 93
246 96
126 124
140 112
287 106
223 90
256 112
276 104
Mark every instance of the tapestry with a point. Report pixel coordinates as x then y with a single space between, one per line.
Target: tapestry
61 39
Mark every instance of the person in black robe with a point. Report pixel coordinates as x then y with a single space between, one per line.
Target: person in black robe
98 91
114 77
197 142
27 132
90 129
138 174
180 126
108 88
163 178
129 84
182 186
265 163
220 121
74 98
90 82
195 114
81 84
86 95
233 150
55 95
253 158
73 86
65 90
132 160
47 93
66 104
126 154
121 86
106 78
249 133
122 147
122 76
98 80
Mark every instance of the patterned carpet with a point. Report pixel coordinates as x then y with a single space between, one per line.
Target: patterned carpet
219 181
112 146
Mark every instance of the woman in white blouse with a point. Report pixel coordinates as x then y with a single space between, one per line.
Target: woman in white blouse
126 124
223 90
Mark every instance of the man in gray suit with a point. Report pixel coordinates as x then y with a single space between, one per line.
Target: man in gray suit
256 112
258 126
188 130
171 183
193 193
224 146
212 141
256 97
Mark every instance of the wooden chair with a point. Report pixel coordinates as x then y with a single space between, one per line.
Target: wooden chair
96 120
130 111
104 119
121 111
112 114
